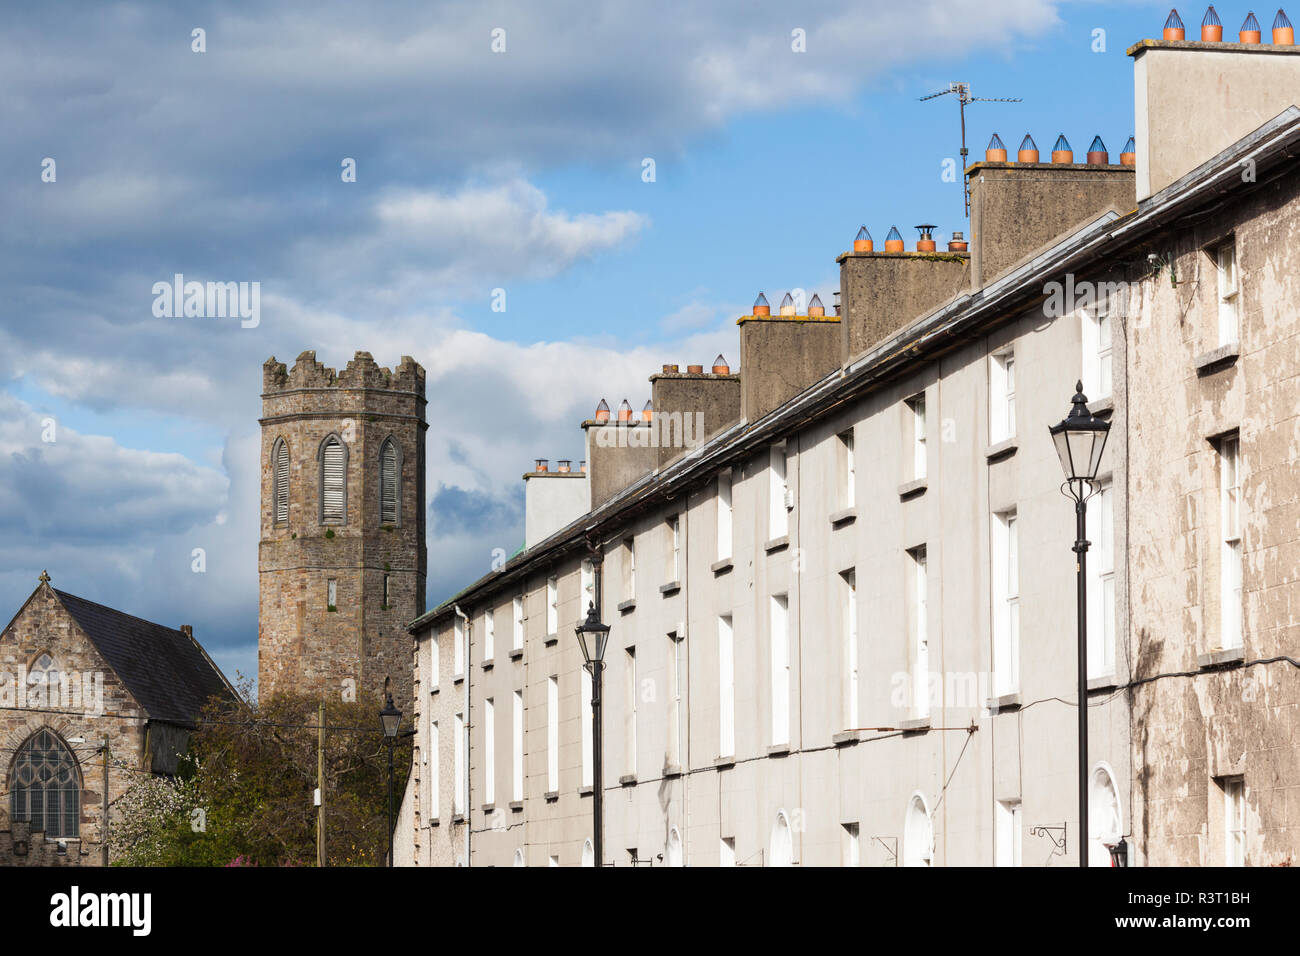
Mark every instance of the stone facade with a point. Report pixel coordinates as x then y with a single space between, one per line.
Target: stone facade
354 646
44 626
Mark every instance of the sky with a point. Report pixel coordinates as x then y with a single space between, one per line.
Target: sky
516 176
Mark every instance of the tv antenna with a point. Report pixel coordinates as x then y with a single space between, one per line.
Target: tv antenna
962 92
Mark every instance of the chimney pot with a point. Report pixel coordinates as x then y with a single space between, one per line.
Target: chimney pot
543 464
815 307
958 243
996 151
648 411
625 411
670 369
1128 156
187 630
760 305
926 242
720 366
863 241
1062 151
1250 32
787 305
602 411
1174 29
582 467
1283 32
894 241
1211 27
695 369
1098 155
1028 152
564 466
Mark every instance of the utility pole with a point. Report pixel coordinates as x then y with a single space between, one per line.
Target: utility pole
104 820
320 787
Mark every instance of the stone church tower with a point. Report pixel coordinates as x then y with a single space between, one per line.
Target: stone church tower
342 560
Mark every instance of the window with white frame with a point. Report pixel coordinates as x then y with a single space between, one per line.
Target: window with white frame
489 751
1234 820
726 688
517 748
517 636
848 588
458 765
777 486
779 633
629 710
920 632
1230 603
489 634
917 436
674 729
629 568
848 478
458 646
1006 603
435 762
673 573
1097 331
1002 396
552 734
852 845
1101 582
1007 833
724 514
552 606
435 661
1228 292
584 682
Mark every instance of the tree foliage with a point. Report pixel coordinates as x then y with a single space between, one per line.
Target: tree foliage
243 795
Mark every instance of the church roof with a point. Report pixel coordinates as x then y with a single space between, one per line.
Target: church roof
166 670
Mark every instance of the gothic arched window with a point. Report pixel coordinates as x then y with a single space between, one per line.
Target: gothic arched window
390 483
45 786
280 481
333 481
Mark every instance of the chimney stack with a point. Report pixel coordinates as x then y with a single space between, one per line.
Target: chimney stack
692 407
552 499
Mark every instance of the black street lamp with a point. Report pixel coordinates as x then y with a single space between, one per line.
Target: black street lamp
593 636
1119 853
1080 440
391 719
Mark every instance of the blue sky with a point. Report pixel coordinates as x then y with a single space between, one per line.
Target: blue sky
475 171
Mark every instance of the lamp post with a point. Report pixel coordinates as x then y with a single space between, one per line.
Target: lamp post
390 718
593 636
1119 853
1080 439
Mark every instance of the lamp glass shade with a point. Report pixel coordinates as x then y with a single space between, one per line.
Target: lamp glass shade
593 636
390 717
1080 440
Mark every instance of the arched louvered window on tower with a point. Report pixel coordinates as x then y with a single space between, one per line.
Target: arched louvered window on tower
280 481
333 481
390 483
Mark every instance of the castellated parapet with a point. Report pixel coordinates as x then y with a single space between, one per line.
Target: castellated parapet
341 568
